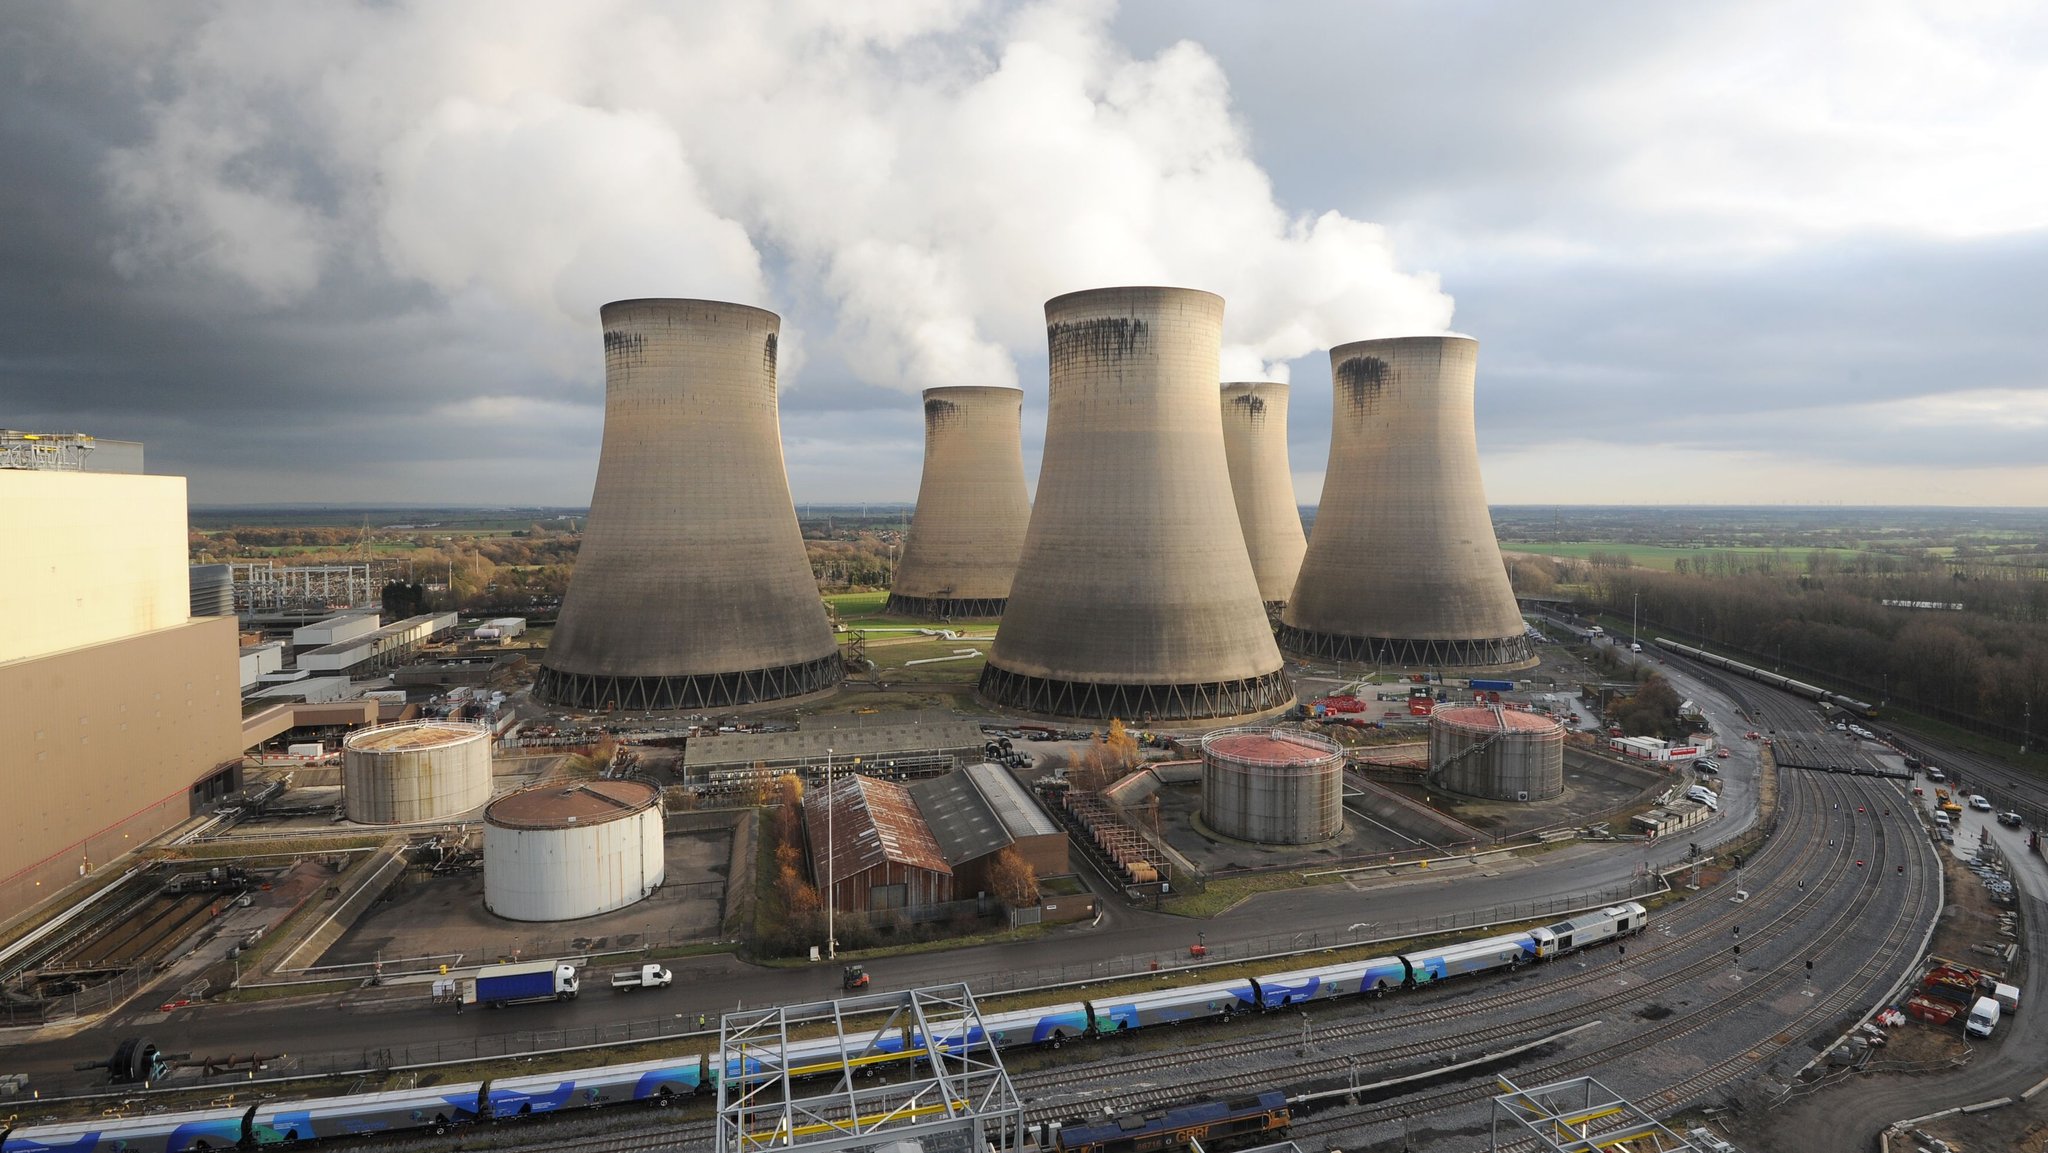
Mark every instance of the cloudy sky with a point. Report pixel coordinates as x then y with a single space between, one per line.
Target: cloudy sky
1729 253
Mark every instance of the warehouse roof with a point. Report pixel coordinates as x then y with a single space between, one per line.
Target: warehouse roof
873 822
1012 802
847 744
960 820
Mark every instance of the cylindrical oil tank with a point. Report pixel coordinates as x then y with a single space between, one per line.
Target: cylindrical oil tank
560 851
1499 754
972 506
428 771
1135 597
1273 786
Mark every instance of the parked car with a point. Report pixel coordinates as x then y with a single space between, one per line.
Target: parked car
2011 818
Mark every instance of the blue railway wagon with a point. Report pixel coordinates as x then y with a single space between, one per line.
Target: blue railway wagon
1505 952
1172 1006
1054 1025
1347 979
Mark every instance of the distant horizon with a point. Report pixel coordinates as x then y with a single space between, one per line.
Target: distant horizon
372 506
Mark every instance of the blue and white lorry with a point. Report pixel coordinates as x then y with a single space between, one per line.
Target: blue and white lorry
531 981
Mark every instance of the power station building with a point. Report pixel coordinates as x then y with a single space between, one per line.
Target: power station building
120 711
1255 445
1500 754
1402 567
692 589
972 506
1135 597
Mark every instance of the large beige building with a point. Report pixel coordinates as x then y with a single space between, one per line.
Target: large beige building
120 713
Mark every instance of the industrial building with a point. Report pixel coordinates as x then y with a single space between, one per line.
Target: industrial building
1500 754
1273 786
972 507
881 855
914 848
1135 596
343 626
692 589
978 812
1402 566
120 712
426 771
902 749
561 851
1255 446
212 590
382 647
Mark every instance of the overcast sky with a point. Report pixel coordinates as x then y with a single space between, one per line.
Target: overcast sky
1727 253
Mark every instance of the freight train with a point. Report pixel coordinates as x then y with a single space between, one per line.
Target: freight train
1775 680
666 1080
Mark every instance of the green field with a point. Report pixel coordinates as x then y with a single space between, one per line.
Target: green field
1656 556
891 650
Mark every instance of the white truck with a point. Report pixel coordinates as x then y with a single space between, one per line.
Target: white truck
645 977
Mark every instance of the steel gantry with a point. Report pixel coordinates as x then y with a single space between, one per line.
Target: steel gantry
863 1071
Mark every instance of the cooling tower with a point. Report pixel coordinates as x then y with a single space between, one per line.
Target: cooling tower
1403 568
1255 443
692 589
1135 597
972 507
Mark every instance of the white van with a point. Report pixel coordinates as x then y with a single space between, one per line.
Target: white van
2007 996
1983 1017
1941 820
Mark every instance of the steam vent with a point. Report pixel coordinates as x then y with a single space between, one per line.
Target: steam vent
1403 568
1255 443
692 589
1135 597
972 506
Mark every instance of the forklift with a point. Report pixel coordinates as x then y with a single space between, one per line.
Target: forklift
854 977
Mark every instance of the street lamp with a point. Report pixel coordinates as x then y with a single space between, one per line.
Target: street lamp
831 944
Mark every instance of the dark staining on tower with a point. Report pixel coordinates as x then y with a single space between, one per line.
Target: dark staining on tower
1253 404
768 355
939 411
627 346
1106 338
1361 379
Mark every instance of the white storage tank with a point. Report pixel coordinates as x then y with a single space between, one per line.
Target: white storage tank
560 851
1499 754
427 771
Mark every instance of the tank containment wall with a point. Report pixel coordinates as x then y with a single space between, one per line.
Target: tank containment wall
972 506
1135 596
692 589
1402 565
1255 443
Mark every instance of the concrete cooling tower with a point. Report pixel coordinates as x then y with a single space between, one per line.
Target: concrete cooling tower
692 589
1135 598
1255 443
1402 567
972 506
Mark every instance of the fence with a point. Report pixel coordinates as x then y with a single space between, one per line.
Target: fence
88 1000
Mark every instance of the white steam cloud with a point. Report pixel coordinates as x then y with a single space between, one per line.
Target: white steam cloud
925 173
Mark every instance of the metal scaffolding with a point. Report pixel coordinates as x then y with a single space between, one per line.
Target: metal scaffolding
1582 1116
889 1067
44 451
